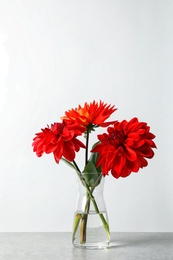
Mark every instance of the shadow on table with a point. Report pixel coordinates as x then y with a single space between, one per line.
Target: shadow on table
144 239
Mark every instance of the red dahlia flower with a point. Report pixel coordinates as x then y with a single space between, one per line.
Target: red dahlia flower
124 149
91 114
60 139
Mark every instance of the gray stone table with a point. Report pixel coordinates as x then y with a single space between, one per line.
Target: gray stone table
57 246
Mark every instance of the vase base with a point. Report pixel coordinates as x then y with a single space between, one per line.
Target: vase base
92 246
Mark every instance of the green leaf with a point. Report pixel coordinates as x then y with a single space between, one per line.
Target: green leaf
76 224
90 174
93 158
90 168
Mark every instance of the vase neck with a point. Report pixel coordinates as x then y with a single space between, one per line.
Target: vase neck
95 185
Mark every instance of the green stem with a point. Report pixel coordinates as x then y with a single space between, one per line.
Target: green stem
83 225
87 143
76 166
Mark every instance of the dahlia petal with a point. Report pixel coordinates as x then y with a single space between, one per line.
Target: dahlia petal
77 144
130 153
147 152
103 137
114 173
150 136
100 148
133 166
107 123
58 153
67 135
68 152
104 166
125 172
49 148
151 143
139 143
142 162
134 136
117 166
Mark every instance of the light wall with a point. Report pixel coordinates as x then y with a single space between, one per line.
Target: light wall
56 54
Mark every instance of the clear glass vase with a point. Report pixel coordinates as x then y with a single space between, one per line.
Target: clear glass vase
91 226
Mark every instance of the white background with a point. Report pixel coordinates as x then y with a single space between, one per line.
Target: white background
56 54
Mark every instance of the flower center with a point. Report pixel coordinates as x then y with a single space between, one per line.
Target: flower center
117 138
57 128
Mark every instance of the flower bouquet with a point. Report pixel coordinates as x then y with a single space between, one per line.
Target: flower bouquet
124 148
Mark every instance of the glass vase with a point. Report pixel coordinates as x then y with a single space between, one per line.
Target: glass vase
91 226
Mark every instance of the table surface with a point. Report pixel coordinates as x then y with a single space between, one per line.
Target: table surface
57 246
